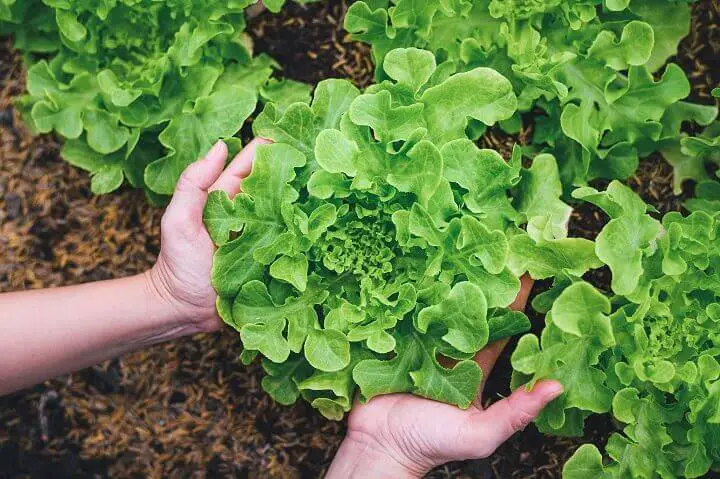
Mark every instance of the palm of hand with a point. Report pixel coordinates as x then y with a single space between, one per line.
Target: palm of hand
419 433
424 433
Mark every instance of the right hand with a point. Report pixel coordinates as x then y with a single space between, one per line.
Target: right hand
401 435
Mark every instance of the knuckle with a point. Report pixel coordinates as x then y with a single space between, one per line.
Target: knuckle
521 420
514 417
519 415
184 184
187 182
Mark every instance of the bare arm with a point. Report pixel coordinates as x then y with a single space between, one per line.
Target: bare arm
46 333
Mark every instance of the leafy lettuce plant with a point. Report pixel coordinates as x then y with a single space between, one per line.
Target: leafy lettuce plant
586 66
31 24
697 155
138 89
373 238
648 355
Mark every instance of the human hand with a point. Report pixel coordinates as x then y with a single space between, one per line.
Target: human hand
181 275
401 435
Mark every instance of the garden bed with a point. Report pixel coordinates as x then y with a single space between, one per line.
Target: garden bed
190 405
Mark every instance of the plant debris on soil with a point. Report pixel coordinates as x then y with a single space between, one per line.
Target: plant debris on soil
189 408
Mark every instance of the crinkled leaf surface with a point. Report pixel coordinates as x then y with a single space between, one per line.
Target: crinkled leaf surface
588 64
628 236
372 238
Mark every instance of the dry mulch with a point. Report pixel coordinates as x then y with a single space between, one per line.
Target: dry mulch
189 408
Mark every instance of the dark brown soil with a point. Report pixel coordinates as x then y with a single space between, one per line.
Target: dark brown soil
311 45
698 53
190 408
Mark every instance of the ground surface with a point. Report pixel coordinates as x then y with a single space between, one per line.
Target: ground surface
189 408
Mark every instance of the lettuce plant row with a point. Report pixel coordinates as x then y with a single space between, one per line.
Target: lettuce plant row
648 354
374 237
139 89
585 69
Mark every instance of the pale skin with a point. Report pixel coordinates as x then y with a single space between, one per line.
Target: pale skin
395 436
405 436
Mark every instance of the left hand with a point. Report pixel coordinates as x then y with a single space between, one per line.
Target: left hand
402 436
181 275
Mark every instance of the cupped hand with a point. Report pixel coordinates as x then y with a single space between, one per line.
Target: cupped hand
401 435
181 275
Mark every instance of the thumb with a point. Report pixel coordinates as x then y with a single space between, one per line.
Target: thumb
190 195
499 422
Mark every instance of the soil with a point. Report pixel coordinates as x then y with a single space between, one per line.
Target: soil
190 408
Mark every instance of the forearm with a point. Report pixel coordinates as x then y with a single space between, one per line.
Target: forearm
359 459
46 333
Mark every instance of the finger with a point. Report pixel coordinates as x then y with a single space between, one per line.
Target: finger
495 425
487 358
239 168
188 202
526 284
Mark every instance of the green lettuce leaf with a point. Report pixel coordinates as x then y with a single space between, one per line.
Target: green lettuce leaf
588 64
139 91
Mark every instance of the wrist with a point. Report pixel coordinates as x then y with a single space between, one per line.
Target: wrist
361 457
175 310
